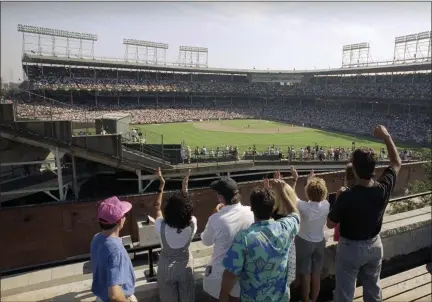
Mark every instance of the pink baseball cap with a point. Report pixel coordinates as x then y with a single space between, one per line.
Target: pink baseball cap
113 209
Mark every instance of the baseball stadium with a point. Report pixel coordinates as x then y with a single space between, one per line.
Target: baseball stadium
149 113
80 128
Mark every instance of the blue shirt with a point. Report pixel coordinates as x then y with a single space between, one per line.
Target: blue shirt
259 257
111 266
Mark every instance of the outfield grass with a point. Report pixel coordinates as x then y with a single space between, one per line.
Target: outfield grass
176 133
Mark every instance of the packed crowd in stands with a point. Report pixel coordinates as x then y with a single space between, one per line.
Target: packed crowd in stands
397 86
413 126
261 250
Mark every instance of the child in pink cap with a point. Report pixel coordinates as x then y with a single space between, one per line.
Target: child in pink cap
113 273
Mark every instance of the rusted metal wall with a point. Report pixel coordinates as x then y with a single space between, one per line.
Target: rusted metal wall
37 234
108 144
61 130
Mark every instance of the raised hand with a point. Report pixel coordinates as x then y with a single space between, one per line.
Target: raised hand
266 184
185 181
294 173
311 174
277 175
276 184
159 176
381 132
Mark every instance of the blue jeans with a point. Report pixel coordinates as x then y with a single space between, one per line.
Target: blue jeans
358 260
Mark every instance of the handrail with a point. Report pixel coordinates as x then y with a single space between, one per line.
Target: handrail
397 199
151 275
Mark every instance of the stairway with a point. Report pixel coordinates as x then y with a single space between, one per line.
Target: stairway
144 158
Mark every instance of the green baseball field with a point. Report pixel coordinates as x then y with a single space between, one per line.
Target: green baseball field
246 133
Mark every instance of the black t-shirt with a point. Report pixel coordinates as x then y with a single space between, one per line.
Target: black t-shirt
360 210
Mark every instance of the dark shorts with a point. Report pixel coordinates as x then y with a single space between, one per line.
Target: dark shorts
310 256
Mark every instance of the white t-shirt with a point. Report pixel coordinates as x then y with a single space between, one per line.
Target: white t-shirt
313 217
223 226
174 239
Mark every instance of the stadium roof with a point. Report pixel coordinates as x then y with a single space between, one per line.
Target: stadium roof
105 63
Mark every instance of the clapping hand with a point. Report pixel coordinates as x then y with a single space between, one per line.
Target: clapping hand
186 181
160 177
311 174
266 183
294 173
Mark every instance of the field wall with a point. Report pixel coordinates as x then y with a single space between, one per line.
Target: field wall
407 143
38 234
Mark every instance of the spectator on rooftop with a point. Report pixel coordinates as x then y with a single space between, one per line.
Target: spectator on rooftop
113 273
258 257
229 217
360 210
310 241
176 227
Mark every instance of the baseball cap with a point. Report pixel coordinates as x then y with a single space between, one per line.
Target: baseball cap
113 209
225 186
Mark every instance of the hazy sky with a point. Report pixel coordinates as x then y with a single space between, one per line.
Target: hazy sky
238 35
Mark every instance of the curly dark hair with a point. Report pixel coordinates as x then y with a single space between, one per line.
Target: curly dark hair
178 211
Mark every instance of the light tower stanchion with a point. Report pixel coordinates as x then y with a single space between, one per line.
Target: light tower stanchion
57 42
412 48
355 55
145 51
190 56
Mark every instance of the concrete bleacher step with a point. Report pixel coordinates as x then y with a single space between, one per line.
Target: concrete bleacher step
408 286
402 234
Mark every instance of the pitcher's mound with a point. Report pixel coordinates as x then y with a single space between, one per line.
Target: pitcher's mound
220 127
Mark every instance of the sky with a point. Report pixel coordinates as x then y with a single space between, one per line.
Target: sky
265 35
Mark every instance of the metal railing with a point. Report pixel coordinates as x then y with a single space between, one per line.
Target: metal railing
150 273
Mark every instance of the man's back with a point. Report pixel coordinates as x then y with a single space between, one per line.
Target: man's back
259 256
360 210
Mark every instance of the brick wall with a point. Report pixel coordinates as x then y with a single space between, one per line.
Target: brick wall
37 234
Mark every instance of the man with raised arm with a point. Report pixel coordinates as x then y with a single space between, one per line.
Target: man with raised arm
360 210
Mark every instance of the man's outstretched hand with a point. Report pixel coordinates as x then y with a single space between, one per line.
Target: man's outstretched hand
381 132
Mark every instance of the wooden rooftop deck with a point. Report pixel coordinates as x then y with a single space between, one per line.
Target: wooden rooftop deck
409 286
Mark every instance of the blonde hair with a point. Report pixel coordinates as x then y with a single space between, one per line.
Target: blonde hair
279 206
316 189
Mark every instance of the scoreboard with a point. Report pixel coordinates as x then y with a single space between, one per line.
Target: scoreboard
276 78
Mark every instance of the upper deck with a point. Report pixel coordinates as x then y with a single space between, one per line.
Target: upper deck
376 67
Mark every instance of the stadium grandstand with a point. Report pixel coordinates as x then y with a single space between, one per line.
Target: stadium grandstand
81 88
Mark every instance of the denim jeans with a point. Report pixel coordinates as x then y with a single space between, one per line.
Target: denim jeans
358 260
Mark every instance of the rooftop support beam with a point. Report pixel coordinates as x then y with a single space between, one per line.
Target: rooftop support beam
138 173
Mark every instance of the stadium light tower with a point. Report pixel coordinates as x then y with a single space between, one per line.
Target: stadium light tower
355 55
413 48
56 42
190 56
145 51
